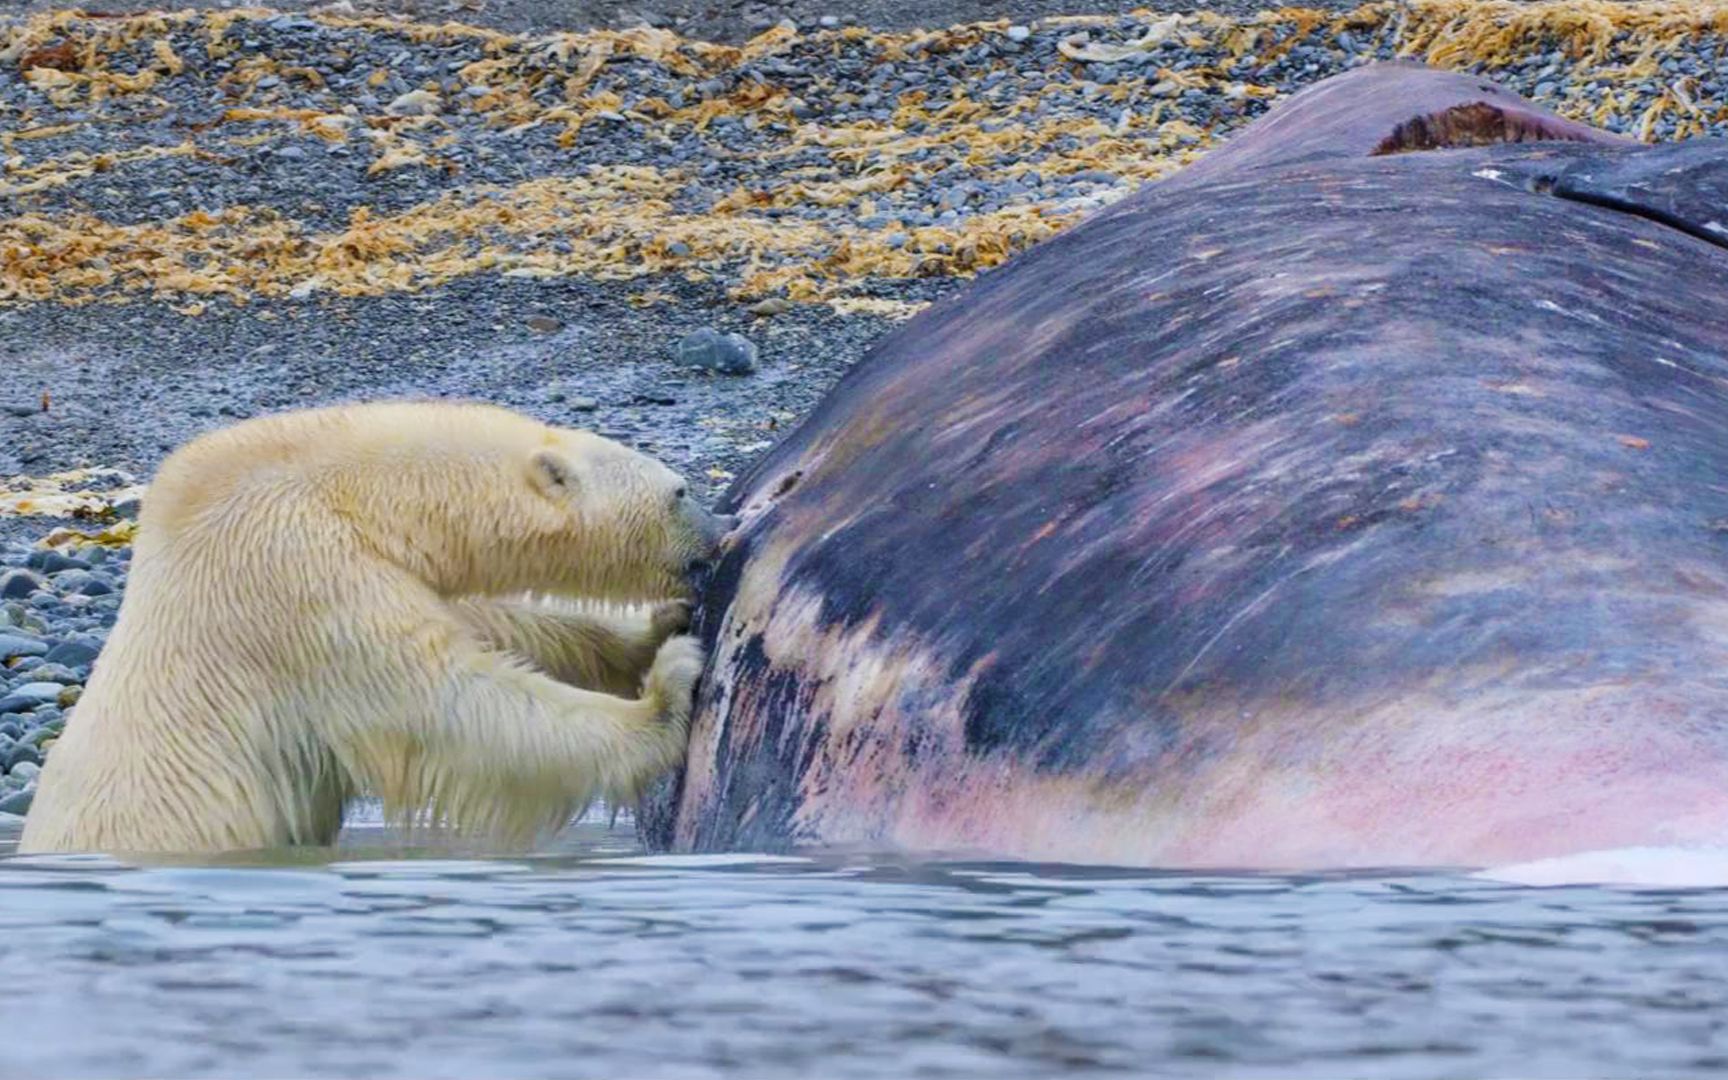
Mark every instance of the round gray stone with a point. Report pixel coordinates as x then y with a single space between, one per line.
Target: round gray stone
50 561
55 673
709 349
15 645
18 584
74 654
30 695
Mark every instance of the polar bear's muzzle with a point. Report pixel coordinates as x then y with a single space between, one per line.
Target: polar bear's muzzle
710 529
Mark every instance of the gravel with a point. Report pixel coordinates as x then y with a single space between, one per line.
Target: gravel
298 158
610 366
732 21
48 640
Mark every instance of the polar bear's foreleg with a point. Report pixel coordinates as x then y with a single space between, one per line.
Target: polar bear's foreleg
513 752
591 648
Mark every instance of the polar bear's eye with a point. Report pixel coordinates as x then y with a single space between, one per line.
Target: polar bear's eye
682 493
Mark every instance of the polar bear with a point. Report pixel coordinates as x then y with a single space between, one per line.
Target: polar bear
424 602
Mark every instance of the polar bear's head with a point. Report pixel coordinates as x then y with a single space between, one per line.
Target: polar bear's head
617 524
470 499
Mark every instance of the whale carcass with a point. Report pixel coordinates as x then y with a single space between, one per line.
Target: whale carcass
1358 496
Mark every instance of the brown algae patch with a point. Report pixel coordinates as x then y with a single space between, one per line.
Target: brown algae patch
823 202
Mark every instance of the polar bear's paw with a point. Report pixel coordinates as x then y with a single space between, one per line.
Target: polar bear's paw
669 618
671 681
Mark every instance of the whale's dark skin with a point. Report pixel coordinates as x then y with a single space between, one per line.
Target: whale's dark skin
1345 500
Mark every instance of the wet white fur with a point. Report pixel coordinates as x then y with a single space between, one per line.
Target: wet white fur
332 603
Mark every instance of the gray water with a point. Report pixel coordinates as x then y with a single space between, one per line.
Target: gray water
591 960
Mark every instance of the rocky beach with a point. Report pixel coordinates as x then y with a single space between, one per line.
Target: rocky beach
677 227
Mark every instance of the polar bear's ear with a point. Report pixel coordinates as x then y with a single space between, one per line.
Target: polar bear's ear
552 472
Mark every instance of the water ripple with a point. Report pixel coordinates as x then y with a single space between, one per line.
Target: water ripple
589 961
